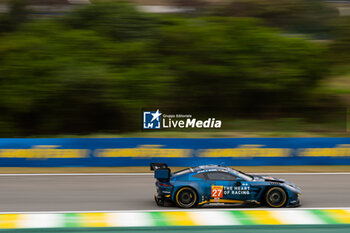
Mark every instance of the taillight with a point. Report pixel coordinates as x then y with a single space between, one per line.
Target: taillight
162 184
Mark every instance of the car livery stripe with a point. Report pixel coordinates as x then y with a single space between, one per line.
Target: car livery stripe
225 201
203 217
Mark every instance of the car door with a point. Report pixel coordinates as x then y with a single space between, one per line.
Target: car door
224 185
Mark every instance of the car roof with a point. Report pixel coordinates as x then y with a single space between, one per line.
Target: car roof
203 168
210 168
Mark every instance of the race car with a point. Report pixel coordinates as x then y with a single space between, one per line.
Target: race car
207 184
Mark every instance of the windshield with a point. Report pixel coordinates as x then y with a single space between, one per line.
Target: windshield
242 175
183 171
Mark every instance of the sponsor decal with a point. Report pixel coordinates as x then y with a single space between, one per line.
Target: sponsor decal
217 191
244 189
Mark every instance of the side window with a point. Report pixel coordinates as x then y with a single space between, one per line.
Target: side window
220 176
200 176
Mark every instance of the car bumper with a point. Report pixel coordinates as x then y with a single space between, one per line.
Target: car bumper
295 203
162 200
162 196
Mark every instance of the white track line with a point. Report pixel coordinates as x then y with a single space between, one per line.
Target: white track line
173 210
151 174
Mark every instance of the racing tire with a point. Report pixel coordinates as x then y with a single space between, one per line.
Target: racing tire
186 197
276 197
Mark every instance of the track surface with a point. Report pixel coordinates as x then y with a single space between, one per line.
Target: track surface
97 193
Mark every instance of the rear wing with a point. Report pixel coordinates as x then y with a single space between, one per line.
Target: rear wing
161 171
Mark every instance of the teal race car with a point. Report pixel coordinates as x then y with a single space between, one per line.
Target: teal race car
207 184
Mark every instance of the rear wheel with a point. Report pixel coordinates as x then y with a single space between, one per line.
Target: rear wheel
186 197
276 197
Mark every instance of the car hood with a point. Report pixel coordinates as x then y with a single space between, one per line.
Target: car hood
269 179
275 180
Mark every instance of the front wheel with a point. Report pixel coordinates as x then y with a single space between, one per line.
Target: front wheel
276 197
186 197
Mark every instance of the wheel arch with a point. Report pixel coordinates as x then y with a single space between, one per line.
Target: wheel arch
181 187
267 188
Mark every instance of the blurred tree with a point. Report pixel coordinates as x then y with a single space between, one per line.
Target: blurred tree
341 43
74 81
17 14
196 4
119 20
93 69
225 64
301 16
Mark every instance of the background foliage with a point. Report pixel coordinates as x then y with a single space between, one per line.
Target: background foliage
94 69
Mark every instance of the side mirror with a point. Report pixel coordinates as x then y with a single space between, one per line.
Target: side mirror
238 181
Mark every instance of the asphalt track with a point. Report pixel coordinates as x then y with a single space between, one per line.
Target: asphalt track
135 192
